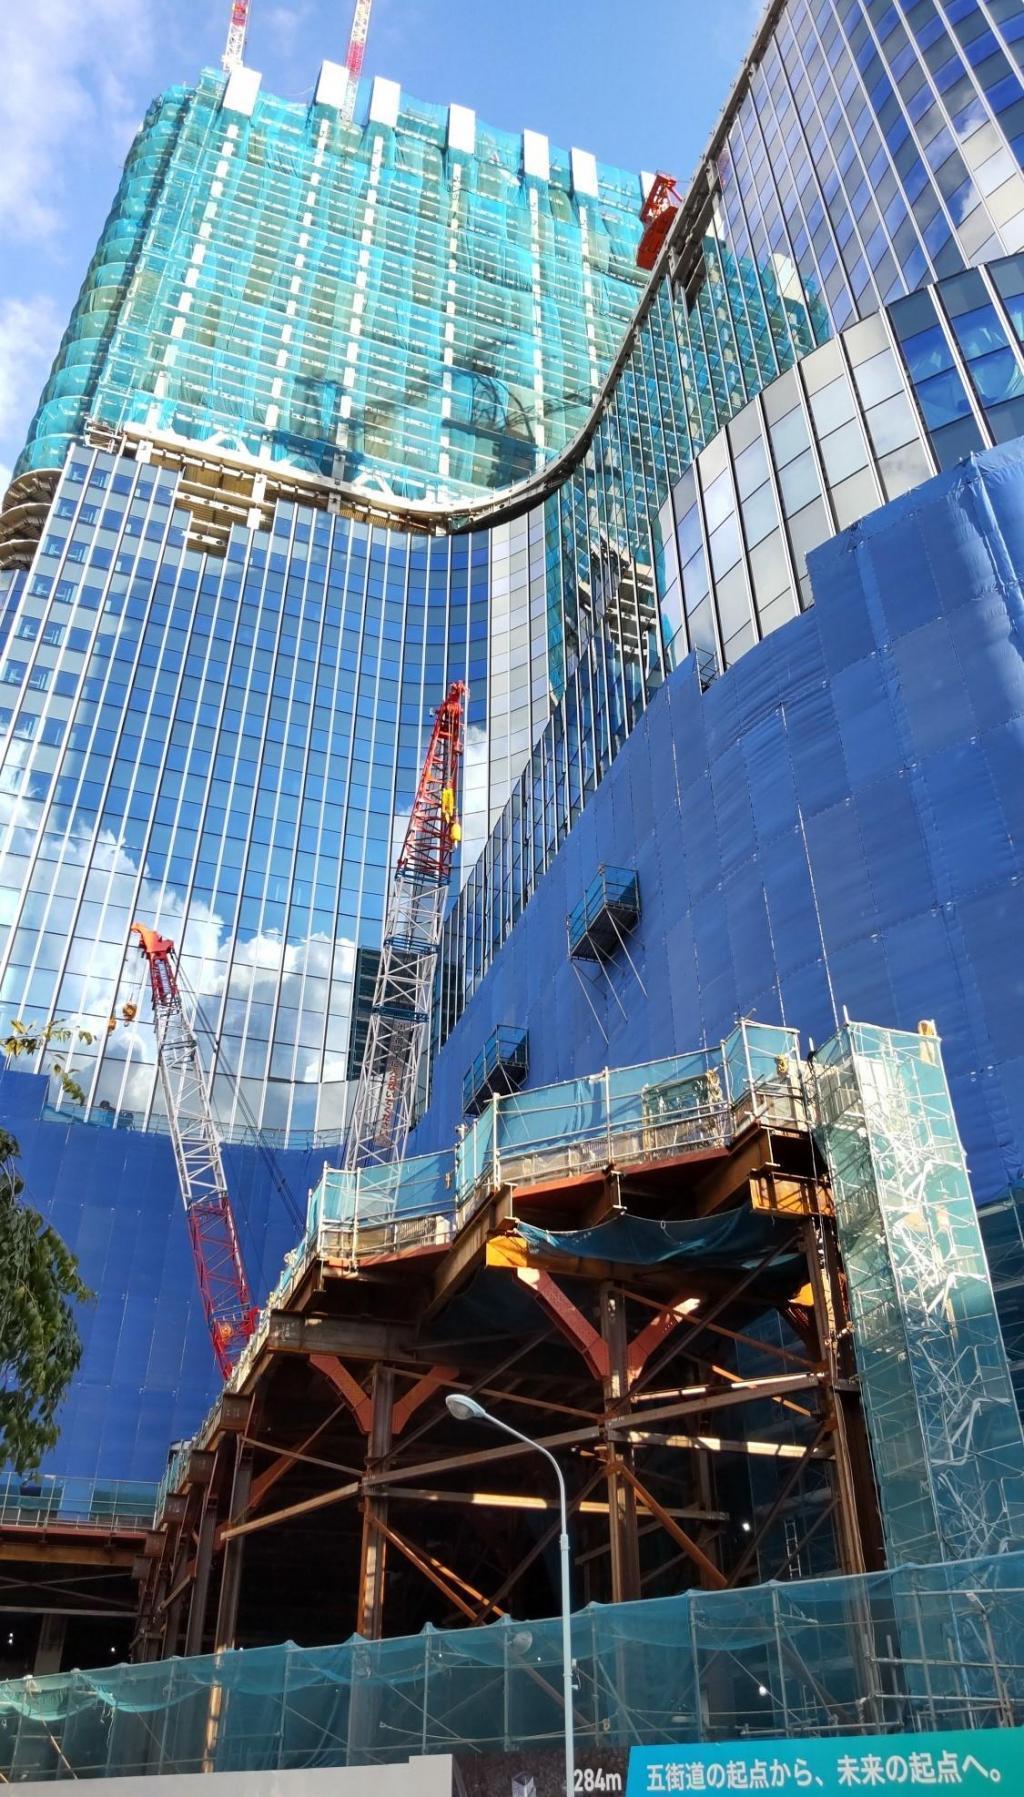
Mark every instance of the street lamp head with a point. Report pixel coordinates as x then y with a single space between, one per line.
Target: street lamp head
465 1410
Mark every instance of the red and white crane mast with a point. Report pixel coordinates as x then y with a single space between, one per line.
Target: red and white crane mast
223 1286
395 1038
238 25
354 58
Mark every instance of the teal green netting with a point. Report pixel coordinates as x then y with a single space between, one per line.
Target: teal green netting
921 1648
938 1400
351 300
739 1239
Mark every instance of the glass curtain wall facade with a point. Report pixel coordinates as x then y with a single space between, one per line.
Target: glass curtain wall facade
232 741
229 745
871 149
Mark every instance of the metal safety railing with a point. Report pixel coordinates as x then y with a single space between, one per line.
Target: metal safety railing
501 1066
620 1116
46 1500
103 1116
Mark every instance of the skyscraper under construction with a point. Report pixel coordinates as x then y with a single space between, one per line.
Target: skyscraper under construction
361 399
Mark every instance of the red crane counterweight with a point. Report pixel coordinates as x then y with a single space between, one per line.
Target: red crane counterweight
223 1287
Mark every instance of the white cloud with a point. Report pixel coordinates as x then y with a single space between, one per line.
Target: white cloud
65 69
30 331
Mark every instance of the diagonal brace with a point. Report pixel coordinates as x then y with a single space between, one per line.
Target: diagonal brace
651 1336
711 1577
570 1322
418 1394
358 1401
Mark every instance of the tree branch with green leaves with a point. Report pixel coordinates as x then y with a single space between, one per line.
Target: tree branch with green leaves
40 1347
26 1040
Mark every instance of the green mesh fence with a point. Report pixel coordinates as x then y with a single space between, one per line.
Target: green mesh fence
919 1649
938 1400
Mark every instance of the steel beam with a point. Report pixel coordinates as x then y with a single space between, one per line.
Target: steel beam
710 1577
354 1394
420 1393
483 1457
625 1547
226 1629
837 1402
372 1555
577 1330
348 1338
196 1625
427 1568
321 1502
469 1247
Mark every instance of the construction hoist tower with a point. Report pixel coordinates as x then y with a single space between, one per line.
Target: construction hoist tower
395 1038
223 1286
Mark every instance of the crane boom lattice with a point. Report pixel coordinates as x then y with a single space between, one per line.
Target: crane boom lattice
223 1286
354 57
386 1092
238 26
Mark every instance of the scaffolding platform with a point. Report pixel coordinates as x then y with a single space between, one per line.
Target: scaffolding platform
640 1268
706 1284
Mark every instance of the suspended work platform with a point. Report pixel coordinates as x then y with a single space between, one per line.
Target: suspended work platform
640 1269
605 915
501 1067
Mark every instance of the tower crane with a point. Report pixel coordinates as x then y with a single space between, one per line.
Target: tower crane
386 1090
223 1285
238 25
354 58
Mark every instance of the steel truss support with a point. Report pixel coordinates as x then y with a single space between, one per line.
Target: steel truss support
625 1548
840 1405
373 1554
226 1631
622 1376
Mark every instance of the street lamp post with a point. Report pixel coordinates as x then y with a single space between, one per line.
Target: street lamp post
466 1410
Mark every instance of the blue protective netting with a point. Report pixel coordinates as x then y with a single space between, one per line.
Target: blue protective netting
836 820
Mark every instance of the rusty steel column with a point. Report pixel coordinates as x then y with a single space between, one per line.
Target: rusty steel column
200 1593
226 1631
856 1500
622 1524
373 1553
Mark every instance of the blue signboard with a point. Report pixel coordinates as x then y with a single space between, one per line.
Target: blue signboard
835 1765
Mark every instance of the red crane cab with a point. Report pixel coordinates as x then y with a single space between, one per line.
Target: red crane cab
656 215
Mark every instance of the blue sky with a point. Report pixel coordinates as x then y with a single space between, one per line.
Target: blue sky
639 82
